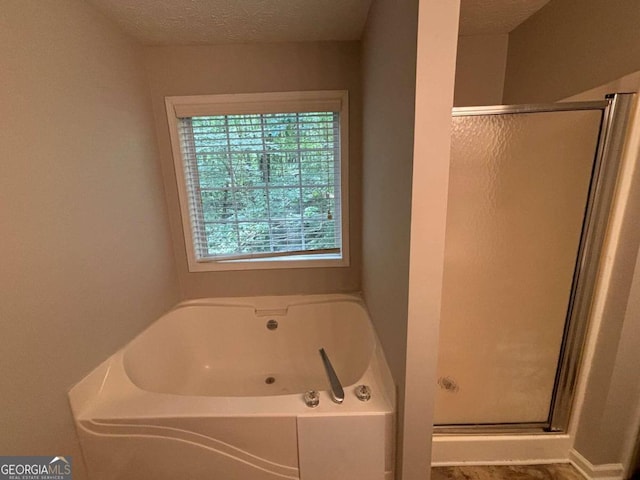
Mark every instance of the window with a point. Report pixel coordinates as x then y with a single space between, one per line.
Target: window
262 179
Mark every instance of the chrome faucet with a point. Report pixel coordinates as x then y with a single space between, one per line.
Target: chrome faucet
337 393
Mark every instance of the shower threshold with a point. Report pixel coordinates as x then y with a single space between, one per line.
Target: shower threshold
494 428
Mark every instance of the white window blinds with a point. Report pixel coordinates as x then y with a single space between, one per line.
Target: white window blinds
263 185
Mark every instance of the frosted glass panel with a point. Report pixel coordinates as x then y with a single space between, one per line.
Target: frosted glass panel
517 195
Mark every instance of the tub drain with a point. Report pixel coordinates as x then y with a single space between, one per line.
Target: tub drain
269 380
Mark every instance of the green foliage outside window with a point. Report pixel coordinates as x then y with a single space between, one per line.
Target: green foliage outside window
268 182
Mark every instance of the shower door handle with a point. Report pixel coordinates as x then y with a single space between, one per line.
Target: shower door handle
337 393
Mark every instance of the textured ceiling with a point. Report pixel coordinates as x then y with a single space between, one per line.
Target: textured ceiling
483 17
188 22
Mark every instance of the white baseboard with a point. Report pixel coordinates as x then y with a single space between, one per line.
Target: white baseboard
609 471
451 450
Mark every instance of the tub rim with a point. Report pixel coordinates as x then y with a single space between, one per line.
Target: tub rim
89 398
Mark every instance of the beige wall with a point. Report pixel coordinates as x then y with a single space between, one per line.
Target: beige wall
86 257
480 66
258 68
389 80
388 72
569 47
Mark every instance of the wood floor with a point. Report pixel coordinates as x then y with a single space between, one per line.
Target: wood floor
559 471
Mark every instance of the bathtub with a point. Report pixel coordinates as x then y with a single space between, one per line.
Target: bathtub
215 389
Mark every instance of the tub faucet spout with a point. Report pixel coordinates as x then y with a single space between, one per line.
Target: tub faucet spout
337 393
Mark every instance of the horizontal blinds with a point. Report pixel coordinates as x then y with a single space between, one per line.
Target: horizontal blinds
263 184
240 104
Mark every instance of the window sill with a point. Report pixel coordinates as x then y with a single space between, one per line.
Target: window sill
282 262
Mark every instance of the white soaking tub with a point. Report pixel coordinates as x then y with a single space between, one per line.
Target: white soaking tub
215 389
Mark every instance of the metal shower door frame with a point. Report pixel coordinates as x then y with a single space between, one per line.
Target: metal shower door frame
615 111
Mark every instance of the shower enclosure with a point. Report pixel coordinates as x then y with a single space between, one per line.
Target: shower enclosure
529 198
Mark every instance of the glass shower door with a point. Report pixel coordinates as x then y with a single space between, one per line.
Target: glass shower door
519 190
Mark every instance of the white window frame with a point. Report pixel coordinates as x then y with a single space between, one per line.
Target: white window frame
254 103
